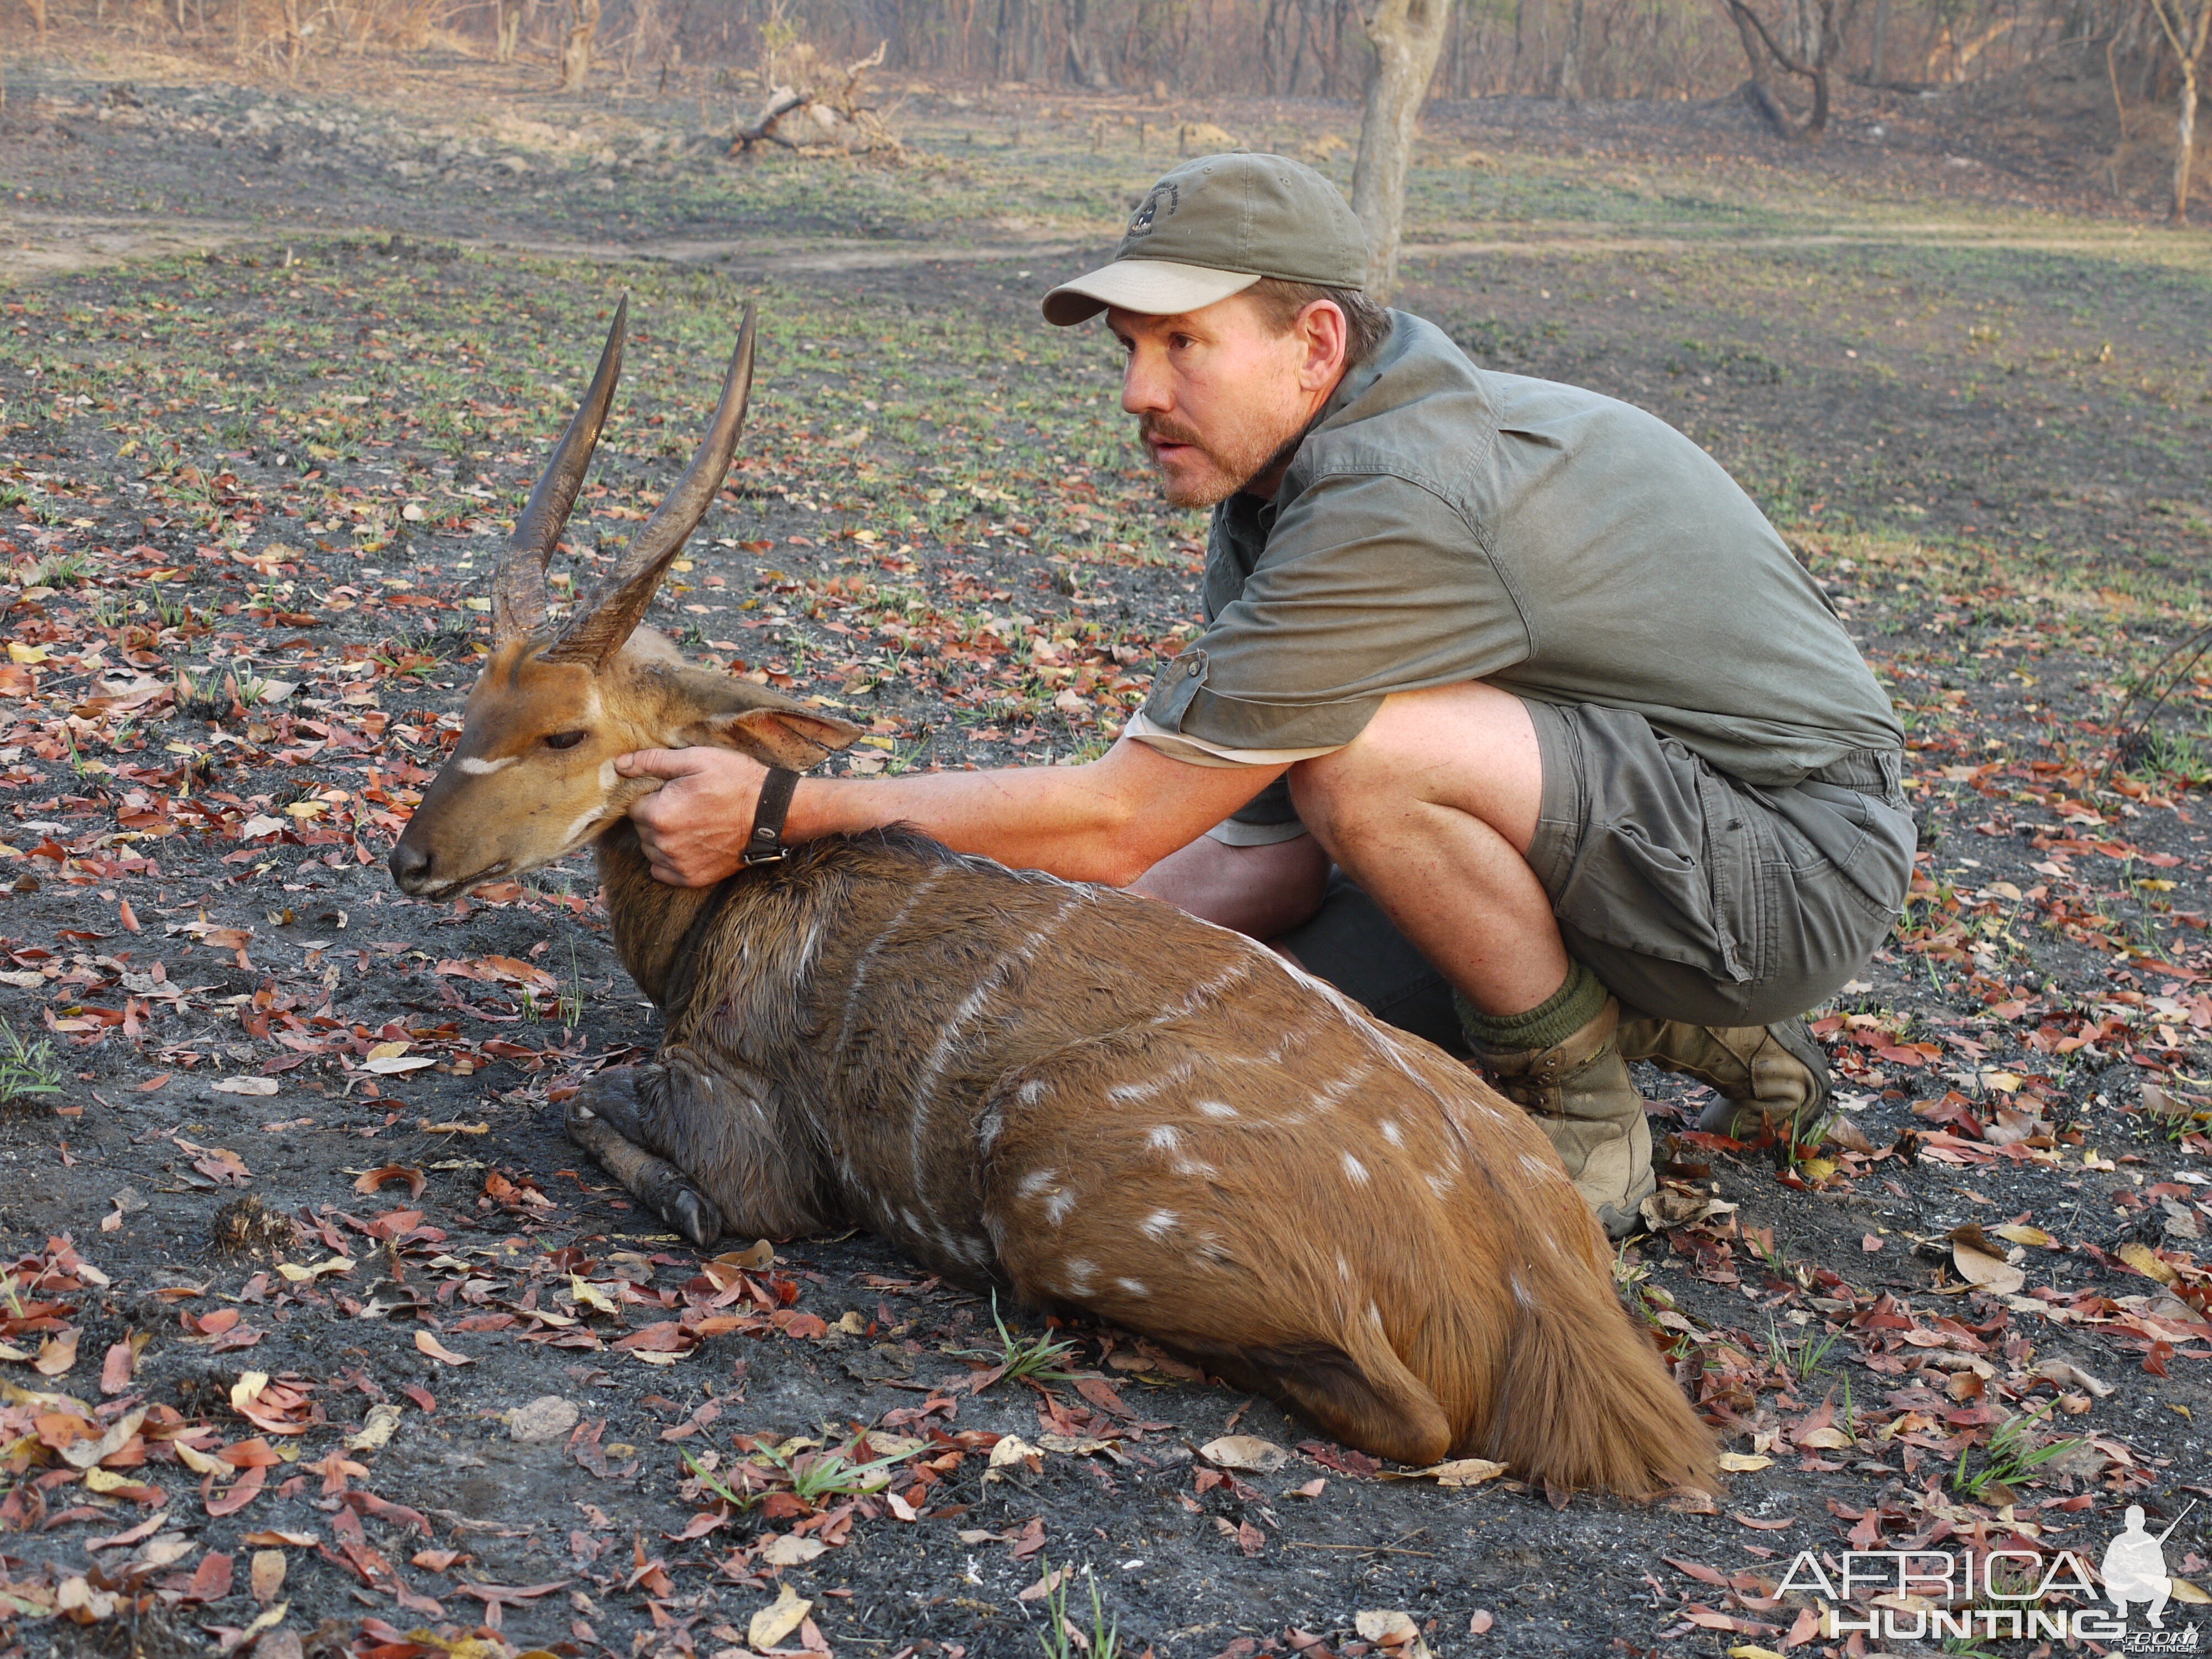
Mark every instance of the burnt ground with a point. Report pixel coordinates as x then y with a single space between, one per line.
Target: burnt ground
285 1164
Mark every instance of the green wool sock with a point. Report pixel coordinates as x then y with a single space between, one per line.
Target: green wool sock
1553 1021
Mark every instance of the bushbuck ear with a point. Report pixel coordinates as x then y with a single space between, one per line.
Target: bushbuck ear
777 737
774 729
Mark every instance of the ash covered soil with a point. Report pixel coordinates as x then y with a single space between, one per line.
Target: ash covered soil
303 1277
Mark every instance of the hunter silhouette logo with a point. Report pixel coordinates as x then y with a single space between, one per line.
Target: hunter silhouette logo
2135 1566
1161 204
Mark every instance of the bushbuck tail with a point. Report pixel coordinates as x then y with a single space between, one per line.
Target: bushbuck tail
1064 1091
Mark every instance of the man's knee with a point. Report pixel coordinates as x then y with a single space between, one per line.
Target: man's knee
1469 749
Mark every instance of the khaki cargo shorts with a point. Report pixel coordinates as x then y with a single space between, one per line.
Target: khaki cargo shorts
1694 897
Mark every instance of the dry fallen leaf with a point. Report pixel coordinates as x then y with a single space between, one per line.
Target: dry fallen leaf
426 1343
2144 1260
373 1180
2016 1233
244 1086
267 1575
1245 1452
56 1353
549 1417
1394 1632
2068 1376
1981 1263
376 1428
1743 1462
1011 1449
785 1550
773 1623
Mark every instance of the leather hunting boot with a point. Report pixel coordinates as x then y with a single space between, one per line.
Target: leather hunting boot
1579 1092
1773 1077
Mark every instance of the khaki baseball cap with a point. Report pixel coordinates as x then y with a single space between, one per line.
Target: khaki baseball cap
1212 227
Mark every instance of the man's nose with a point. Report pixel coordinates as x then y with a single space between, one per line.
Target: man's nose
1145 385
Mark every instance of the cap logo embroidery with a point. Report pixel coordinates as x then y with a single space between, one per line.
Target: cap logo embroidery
1163 201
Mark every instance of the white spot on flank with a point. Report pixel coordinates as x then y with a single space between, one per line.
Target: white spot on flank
1217 1109
1354 1169
1030 1093
1520 1293
1079 1276
476 767
1390 1133
1128 1091
1134 1286
1058 1206
1343 1269
1036 1181
1164 1138
1441 1185
1158 1224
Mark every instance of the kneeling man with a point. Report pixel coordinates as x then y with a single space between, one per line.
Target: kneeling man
1512 717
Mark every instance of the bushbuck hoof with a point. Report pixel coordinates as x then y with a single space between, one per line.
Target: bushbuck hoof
597 1121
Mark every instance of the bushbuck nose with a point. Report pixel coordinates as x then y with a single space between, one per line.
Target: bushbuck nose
409 866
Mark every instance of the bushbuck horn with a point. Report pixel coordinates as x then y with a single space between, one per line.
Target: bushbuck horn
600 625
517 587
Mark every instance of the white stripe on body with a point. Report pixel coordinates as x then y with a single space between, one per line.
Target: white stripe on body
931 1069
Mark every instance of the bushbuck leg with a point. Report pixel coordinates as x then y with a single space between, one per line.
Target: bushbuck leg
762 1180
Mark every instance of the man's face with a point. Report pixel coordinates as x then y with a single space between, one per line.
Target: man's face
1217 394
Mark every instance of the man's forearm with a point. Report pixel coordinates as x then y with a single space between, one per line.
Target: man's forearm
1060 818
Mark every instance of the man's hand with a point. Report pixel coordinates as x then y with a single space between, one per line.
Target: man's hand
695 826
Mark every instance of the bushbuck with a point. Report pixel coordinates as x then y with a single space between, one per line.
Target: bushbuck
1064 1091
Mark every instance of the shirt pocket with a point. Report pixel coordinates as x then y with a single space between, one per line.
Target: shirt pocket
1177 683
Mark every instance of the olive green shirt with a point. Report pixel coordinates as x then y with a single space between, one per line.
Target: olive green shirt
1441 523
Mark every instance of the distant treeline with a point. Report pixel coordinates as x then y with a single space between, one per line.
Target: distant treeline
1599 49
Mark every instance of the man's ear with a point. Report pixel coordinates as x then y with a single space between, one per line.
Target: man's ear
775 730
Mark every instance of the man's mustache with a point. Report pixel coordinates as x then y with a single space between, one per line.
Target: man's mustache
1167 432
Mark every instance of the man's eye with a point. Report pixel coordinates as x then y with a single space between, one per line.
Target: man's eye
565 740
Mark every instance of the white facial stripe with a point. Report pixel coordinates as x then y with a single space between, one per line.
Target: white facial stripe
590 816
476 768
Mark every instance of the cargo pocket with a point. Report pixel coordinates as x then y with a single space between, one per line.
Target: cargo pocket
1639 895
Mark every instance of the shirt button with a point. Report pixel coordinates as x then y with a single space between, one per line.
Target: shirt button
1196 670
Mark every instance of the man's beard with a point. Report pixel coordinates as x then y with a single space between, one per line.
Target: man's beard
1237 457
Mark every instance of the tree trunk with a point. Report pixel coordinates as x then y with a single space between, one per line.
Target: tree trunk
510 29
1570 57
576 44
1874 70
1086 63
1408 36
2184 136
38 17
2187 36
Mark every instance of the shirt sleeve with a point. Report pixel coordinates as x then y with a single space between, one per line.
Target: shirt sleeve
1369 584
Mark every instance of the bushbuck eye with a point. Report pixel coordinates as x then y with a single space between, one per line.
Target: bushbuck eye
565 740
